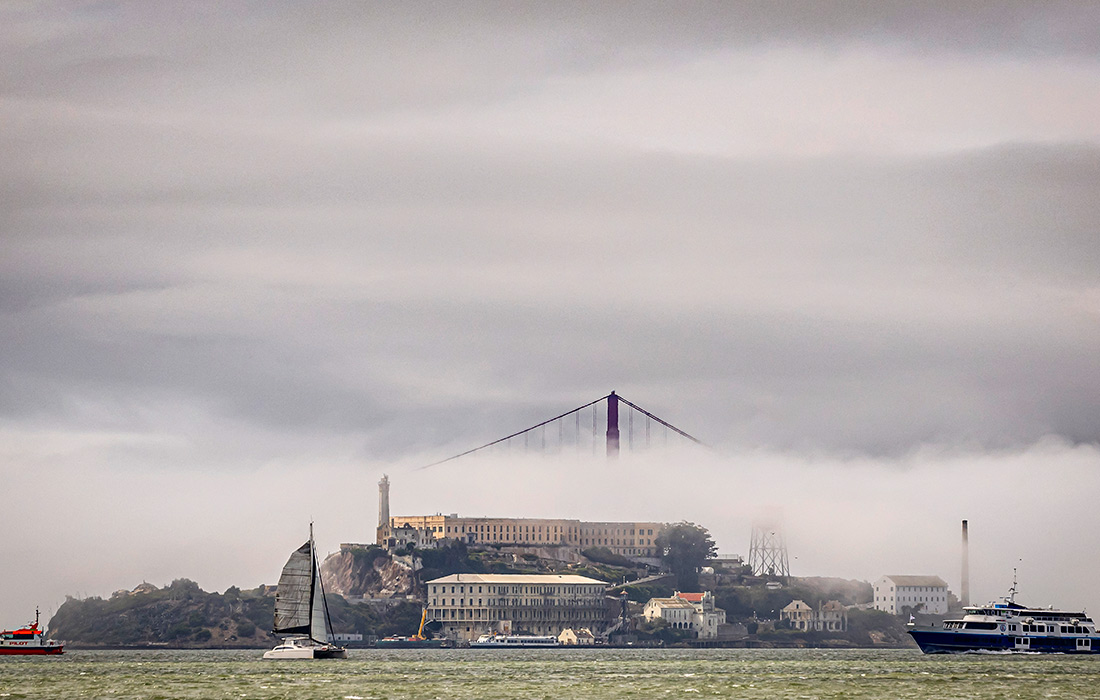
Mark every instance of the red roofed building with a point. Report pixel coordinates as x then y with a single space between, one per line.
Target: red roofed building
707 618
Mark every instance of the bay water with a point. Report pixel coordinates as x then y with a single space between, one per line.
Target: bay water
582 674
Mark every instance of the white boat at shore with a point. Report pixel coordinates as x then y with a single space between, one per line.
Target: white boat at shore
515 641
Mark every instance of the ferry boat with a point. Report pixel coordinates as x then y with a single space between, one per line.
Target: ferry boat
1011 627
515 641
28 640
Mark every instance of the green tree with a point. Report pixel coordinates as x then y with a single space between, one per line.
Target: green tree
685 547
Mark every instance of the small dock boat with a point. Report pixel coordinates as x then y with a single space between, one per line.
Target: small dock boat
28 640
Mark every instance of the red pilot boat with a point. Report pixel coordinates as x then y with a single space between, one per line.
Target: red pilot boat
27 640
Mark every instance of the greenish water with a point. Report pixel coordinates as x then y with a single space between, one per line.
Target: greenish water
550 674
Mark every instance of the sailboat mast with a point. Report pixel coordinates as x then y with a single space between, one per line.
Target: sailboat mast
312 578
317 588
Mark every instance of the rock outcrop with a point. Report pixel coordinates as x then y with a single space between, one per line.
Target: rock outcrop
368 572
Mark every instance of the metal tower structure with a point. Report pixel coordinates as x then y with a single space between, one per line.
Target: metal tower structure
768 550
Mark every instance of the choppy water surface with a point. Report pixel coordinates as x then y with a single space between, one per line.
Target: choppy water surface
550 674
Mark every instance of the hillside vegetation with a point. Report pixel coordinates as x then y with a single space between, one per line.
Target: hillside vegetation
183 615
373 593
180 614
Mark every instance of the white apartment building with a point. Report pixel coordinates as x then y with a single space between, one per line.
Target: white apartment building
800 615
927 594
678 613
707 618
830 617
693 611
470 605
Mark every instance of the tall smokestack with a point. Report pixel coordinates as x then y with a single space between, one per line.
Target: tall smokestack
964 596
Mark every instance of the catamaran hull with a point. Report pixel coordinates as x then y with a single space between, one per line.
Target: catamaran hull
306 653
934 641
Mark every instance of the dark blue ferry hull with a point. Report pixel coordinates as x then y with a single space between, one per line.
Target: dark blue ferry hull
936 641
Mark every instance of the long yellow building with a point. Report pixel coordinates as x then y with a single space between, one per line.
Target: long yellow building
629 539
632 539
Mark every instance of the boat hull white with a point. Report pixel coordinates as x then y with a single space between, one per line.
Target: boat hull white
515 642
305 649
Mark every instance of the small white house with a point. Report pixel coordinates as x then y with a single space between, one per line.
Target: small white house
896 594
678 613
688 611
582 637
345 637
707 618
800 615
830 617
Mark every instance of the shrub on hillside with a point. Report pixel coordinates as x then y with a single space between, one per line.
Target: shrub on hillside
603 555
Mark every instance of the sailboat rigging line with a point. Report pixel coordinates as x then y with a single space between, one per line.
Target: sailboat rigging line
515 434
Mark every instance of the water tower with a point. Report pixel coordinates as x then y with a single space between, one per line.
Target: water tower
768 549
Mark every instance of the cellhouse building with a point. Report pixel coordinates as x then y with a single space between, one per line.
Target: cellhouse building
925 594
470 605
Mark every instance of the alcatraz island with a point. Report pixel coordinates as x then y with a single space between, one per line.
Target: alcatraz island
598 583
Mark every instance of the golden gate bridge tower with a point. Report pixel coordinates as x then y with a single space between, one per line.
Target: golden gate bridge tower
580 428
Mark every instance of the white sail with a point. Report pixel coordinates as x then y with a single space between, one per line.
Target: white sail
294 597
319 618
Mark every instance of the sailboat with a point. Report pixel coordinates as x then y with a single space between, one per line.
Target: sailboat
301 612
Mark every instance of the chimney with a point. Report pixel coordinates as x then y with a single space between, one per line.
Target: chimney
964 593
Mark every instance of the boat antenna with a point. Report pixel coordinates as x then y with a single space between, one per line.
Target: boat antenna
1012 591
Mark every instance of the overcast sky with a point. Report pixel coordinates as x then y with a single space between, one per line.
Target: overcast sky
255 255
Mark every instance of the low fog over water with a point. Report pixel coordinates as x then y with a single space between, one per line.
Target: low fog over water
853 518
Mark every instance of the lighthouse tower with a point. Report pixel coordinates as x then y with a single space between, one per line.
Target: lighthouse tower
383 531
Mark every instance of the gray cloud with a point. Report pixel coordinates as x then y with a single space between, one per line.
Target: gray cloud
868 305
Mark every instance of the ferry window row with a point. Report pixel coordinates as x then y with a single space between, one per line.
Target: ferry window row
956 625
